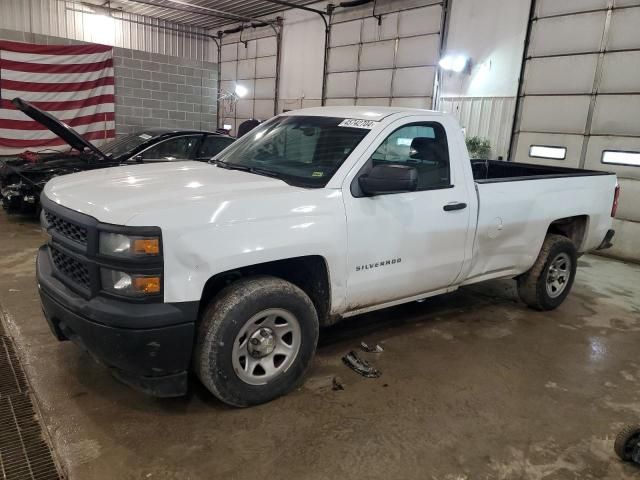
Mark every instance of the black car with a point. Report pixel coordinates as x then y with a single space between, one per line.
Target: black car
22 180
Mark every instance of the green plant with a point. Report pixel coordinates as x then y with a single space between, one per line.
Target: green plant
478 147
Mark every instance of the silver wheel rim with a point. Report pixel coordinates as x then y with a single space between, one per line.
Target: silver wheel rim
266 346
558 275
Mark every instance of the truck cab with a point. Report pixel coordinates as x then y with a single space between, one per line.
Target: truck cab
230 268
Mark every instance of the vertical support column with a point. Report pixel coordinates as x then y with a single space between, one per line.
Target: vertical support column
327 46
278 29
596 84
515 125
444 31
355 94
219 77
395 59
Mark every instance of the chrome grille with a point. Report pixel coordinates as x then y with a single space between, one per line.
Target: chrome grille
66 228
71 268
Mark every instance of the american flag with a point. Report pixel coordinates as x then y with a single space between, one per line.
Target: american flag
75 83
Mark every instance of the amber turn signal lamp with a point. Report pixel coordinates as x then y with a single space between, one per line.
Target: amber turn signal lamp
146 246
146 284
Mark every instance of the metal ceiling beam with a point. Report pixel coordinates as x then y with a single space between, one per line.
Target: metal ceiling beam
209 12
295 5
120 11
212 10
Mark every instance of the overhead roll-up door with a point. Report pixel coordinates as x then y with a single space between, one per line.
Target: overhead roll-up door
580 96
249 59
381 56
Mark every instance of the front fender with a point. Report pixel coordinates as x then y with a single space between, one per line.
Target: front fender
194 255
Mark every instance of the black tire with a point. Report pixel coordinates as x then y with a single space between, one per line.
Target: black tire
626 441
223 320
532 285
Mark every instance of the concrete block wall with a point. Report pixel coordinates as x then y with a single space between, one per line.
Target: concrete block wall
153 90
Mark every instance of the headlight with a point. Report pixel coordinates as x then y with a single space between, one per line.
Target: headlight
129 284
132 246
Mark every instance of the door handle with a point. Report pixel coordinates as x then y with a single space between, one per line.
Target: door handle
454 206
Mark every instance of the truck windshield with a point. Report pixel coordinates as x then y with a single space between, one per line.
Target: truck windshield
301 150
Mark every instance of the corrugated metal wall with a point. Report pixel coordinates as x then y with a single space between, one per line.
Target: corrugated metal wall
487 117
73 20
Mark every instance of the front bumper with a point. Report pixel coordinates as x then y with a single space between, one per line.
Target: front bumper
146 345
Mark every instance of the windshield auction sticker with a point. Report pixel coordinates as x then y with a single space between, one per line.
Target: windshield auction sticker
355 123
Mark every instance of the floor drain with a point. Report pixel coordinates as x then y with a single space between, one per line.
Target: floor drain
24 451
12 379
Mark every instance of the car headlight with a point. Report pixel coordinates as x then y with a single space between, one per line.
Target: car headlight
132 246
129 284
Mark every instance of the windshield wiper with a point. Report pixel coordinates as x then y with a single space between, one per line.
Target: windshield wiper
266 173
255 170
229 166
244 168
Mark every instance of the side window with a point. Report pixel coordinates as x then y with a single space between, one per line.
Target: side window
212 145
422 146
177 148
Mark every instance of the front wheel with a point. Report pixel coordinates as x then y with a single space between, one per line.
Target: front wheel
545 285
256 341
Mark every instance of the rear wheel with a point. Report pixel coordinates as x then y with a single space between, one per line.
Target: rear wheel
626 442
256 341
545 285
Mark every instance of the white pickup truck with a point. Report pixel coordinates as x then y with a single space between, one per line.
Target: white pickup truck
229 268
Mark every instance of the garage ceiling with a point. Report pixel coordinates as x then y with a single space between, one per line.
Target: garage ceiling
210 14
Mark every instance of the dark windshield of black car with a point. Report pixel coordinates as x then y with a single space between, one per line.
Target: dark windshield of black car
301 150
123 145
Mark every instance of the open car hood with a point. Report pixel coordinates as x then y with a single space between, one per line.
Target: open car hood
61 129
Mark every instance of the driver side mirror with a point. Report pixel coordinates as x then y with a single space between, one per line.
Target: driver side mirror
391 178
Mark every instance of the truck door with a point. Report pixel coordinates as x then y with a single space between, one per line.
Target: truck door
405 244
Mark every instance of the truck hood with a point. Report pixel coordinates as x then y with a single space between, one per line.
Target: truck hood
61 129
116 195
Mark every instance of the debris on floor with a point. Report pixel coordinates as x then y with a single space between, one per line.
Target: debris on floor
336 384
320 384
360 366
371 349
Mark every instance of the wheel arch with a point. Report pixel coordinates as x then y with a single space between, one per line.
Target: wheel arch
309 273
574 228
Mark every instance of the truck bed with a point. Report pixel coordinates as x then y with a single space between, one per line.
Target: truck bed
491 171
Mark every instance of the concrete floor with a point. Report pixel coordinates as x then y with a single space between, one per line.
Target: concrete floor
474 386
